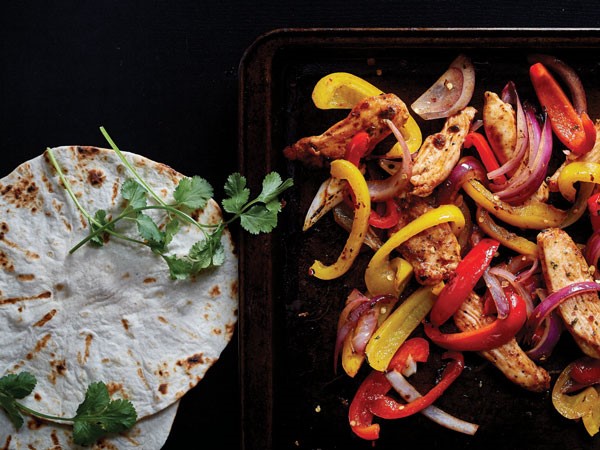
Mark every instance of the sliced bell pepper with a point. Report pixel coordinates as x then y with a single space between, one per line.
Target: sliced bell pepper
392 279
507 238
467 274
576 132
577 171
488 337
485 153
357 147
534 215
376 385
380 263
394 331
586 371
593 204
343 169
388 408
388 220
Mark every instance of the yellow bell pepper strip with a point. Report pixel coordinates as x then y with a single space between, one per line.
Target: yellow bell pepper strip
379 268
534 215
391 279
342 90
583 405
574 172
345 170
398 327
351 360
575 131
507 238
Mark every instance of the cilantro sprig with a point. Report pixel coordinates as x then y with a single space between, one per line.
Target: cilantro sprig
96 416
258 215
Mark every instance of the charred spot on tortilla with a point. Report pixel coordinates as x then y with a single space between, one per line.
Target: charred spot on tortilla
34 423
47 318
163 388
215 291
96 177
149 280
6 263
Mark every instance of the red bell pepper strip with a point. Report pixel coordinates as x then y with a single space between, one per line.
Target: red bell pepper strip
485 153
357 147
576 132
586 371
488 337
467 274
388 408
376 385
387 221
593 204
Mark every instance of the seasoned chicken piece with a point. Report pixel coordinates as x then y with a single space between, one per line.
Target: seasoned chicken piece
509 358
368 115
592 156
433 253
500 125
440 153
563 264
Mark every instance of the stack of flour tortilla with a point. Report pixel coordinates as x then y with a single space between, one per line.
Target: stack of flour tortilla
108 314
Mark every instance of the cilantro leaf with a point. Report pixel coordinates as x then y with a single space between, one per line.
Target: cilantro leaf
209 252
97 415
235 188
100 220
259 219
18 385
9 405
135 194
193 193
272 187
179 268
149 231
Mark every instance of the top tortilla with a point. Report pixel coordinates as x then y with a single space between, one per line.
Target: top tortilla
107 314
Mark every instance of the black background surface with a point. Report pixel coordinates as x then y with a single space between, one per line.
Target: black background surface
162 78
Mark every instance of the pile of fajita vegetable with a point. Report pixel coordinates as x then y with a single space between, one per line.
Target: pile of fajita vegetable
468 234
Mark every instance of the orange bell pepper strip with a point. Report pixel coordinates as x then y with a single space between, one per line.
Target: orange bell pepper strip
487 337
576 132
343 169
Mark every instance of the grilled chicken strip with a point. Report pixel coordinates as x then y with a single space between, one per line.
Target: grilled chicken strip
563 264
368 115
592 156
440 153
434 253
500 125
510 358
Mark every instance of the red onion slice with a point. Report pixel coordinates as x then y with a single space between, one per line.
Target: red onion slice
381 190
408 392
544 347
551 302
498 295
450 93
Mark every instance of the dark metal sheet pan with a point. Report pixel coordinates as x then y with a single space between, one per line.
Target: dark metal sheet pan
291 398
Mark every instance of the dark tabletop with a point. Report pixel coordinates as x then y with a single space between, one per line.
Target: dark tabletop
162 78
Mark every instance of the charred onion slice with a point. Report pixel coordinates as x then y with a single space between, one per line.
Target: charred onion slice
450 93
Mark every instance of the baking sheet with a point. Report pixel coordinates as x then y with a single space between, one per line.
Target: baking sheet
291 398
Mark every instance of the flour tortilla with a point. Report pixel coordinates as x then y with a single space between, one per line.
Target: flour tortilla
107 314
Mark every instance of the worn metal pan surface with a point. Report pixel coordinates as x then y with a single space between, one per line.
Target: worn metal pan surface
291 399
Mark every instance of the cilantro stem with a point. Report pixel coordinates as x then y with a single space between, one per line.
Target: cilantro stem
106 227
42 415
68 188
127 164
